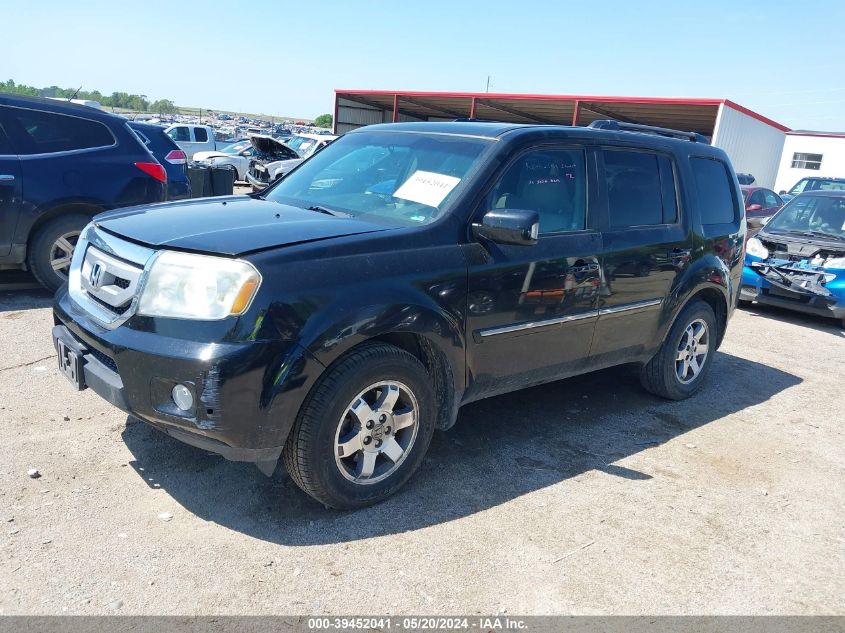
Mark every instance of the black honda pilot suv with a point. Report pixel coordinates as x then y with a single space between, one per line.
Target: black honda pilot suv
340 317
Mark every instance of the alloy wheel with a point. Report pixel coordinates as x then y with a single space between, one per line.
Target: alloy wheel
692 352
61 253
376 432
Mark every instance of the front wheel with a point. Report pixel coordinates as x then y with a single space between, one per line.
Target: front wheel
678 369
364 429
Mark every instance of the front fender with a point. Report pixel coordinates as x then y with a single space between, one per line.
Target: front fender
440 328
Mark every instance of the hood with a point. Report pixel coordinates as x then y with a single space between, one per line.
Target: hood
269 146
230 225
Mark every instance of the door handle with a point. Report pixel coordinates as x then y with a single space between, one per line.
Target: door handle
7 178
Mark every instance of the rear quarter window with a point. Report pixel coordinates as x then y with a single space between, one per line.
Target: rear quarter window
47 132
716 199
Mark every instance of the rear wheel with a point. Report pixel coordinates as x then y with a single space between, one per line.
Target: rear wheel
51 250
364 429
678 369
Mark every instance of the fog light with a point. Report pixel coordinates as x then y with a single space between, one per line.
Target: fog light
182 397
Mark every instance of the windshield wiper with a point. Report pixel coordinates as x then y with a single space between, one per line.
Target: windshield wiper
821 234
319 209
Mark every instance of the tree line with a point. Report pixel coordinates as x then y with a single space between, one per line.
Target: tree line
137 103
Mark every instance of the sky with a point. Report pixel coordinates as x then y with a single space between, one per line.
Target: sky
784 60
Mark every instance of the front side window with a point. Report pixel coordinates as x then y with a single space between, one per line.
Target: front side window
821 214
47 132
640 189
801 160
200 135
772 199
715 193
405 178
551 182
757 198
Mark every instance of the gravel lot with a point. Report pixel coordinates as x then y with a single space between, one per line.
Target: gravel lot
583 496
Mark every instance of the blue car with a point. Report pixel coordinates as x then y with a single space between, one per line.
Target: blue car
797 260
166 152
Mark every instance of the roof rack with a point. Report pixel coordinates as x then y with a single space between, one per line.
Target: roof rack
611 124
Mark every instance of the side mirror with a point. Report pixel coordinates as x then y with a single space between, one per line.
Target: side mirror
754 207
781 192
509 226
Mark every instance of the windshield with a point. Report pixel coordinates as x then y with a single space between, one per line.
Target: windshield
819 214
236 148
805 184
405 177
302 145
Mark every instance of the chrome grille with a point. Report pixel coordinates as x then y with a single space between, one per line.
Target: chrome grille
111 281
107 275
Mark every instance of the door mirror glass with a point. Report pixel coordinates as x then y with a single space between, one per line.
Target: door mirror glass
509 226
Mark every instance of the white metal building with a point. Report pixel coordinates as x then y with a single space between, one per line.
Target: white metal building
807 153
753 142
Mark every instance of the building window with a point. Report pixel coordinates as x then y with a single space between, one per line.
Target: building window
806 161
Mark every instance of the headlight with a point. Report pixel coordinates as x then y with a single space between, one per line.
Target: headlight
835 262
755 248
186 286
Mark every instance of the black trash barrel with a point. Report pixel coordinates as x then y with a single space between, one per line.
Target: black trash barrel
200 178
222 181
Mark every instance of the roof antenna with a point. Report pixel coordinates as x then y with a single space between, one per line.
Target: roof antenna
74 94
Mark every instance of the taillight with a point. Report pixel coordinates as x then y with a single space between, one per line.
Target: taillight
176 157
153 169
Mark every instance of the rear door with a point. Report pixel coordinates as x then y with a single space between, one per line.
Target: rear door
647 243
531 310
11 189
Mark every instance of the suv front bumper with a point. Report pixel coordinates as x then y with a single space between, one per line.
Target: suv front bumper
243 393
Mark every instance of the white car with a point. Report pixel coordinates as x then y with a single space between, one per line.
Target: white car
271 161
237 155
192 138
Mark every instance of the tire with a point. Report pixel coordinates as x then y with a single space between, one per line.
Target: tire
328 451
661 375
52 239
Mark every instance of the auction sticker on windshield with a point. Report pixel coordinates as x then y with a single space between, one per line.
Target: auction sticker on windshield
426 187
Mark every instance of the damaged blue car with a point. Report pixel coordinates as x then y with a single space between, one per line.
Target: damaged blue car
797 261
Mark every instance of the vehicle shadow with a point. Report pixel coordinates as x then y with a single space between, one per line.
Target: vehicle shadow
17 293
818 323
500 449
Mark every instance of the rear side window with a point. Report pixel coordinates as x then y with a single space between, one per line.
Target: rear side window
715 194
640 189
5 143
200 135
180 134
47 132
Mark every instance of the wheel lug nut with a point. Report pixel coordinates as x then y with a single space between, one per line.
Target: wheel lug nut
368 439
378 443
370 424
382 418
